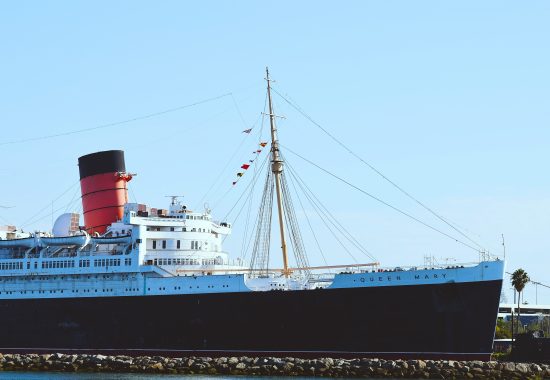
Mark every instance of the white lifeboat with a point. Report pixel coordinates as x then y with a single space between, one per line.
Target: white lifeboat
80 240
112 240
29 242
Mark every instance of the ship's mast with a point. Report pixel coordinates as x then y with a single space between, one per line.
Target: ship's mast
277 170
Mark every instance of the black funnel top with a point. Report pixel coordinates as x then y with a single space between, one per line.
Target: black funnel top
108 161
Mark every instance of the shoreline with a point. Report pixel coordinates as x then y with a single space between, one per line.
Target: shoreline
272 366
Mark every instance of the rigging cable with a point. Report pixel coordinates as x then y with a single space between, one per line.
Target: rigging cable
293 227
32 218
244 249
316 203
239 111
229 161
308 221
297 108
324 219
260 252
73 199
154 114
254 179
383 202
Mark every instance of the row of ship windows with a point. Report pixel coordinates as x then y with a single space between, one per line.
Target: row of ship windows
40 278
67 264
96 290
194 244
11 266
196 217
191 287
53 291
187 262
183 229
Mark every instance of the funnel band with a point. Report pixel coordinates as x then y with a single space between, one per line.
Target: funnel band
103 208
108 161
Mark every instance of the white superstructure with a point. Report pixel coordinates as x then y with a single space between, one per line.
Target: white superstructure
176 253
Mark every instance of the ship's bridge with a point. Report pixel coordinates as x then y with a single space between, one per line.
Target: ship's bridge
177 239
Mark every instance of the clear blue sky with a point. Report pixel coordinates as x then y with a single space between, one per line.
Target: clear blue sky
449 99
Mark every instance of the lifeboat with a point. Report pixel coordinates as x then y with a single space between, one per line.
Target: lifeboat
112 240
29 242
80 240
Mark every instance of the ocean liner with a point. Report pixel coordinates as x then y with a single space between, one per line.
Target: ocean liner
135 279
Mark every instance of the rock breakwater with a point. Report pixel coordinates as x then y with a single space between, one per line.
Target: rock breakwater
267 366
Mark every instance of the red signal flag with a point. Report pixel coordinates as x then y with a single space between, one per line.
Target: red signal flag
245 166
263 144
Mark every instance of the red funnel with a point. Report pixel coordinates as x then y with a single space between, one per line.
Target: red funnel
103 184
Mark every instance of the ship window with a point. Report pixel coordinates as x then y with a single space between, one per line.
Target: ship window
164 244
171 228
158 228
178 244
154 244
184 229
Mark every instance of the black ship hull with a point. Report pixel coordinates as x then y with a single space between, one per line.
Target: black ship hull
453 320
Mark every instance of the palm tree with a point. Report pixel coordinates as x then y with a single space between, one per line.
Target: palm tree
519 280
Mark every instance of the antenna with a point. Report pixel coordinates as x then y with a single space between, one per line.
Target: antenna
174 198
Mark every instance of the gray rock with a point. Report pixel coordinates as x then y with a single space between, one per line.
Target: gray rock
522 368
509 367
477 371
157 366
535 368
233 360
250 366
241 366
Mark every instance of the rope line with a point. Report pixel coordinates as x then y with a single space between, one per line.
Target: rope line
383 202
320 208
32 220
297 108
324 215
45 137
